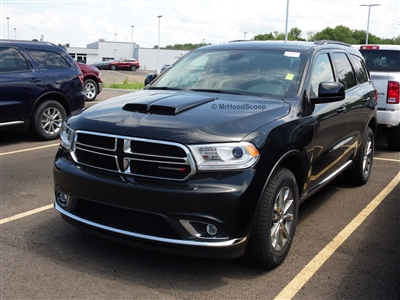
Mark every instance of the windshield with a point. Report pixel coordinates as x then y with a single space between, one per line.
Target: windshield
273 74
382 60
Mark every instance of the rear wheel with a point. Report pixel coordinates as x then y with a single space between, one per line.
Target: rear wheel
273 232
393 138
113 67
47 120
361 171
133 68
90 88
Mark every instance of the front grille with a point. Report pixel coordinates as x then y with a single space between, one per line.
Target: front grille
133 156
125 219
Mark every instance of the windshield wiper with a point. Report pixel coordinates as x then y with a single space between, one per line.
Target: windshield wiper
163 88
223 92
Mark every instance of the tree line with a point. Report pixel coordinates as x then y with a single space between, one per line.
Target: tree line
339 33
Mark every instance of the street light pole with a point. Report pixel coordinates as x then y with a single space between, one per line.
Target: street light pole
8 27
369 12
115 46
15 33
132 34
158 51
287 17
244 33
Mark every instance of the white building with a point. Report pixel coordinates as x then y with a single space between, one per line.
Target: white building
149 58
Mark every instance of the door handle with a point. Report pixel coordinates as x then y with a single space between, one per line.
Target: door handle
34 79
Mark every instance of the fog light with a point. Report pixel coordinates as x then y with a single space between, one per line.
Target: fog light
62 199
211 229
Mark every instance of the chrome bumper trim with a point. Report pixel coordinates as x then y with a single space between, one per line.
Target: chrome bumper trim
217 244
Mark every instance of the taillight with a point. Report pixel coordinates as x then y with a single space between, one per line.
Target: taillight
393 94
81 78
369 47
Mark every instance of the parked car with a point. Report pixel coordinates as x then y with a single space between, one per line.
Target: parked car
162 69
214 156
92 83
383 62
40 86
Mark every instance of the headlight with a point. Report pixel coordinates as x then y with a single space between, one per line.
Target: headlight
66 137
227 156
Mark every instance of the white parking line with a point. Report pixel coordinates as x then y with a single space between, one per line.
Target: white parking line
29 149
312 267
26 214
387 159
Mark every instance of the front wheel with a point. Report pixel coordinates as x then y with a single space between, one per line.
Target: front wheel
90 88
113 67
274 229
133 68
47 120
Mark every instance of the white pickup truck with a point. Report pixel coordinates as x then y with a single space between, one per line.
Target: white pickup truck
383 62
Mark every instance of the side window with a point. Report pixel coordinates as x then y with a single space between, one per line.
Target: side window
360 69
322 72
49 59
12 61
346 74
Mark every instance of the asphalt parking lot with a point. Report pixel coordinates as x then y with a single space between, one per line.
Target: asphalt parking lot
347 243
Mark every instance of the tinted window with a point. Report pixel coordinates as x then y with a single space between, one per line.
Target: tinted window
346 75
11 61
49 59
322 72
360 69
382 60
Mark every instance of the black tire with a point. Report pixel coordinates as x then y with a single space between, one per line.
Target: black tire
393 138
91 90
362 168
47 120
274 229
133 68
113 67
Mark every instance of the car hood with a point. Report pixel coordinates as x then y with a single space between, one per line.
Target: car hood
181 116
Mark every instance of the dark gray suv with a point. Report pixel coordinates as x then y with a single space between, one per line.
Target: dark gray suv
40 85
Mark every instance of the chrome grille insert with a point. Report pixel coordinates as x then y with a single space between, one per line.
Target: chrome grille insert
133 156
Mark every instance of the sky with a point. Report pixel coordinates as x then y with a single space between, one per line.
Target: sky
80 22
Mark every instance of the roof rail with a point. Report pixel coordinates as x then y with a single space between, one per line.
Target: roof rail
324 42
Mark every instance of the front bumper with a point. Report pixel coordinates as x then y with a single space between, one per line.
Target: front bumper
167 217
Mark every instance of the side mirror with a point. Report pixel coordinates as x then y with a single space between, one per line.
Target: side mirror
149 78
329 92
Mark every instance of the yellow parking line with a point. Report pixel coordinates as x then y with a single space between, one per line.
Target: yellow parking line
26 214
312 267
29 149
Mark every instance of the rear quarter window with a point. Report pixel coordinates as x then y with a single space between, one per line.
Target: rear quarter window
49 59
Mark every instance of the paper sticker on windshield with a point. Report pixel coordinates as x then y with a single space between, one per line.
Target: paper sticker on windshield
292 54
289 76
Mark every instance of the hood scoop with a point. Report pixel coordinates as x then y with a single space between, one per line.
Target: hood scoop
170 105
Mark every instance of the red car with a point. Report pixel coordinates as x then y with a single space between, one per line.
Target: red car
92 83
124 64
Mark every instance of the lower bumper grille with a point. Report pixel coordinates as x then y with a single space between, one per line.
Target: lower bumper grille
125 219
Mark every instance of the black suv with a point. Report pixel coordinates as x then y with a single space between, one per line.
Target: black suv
40 86
215 155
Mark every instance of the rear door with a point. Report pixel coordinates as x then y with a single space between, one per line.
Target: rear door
20 86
